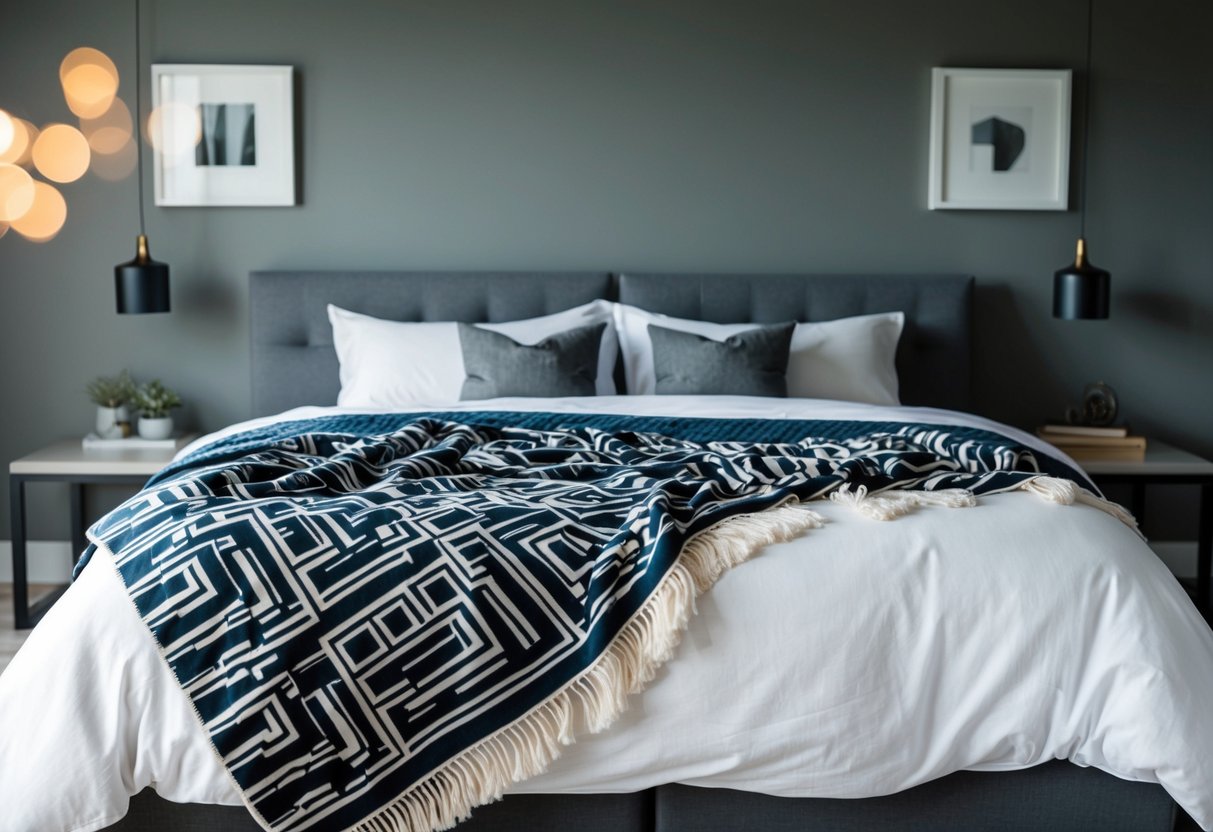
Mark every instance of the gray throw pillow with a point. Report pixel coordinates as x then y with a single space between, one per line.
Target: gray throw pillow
566 364
750 363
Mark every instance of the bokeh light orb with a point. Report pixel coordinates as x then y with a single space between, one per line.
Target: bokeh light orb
85 55
46 217
108 140
18 152
110 131
90 81
174 129
16 193
61 153
8 132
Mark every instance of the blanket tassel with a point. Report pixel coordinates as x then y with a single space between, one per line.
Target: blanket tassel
1066 492
887 505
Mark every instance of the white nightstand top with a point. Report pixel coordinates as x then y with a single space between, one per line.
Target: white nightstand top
1161 459
68 457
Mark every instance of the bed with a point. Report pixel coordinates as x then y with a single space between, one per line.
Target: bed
645 772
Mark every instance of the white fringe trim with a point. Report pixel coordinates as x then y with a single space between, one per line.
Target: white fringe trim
888 505
597 697
1067 493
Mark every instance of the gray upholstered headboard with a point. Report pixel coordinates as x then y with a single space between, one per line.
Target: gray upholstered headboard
292 343
933 357
293 362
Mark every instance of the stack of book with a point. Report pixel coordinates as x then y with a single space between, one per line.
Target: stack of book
1084 444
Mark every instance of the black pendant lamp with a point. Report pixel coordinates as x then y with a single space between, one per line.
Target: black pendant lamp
142 283
1082 289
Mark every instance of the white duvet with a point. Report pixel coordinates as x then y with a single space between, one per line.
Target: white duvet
861 659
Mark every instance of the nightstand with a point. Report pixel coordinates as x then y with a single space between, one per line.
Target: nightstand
1167 465
67 461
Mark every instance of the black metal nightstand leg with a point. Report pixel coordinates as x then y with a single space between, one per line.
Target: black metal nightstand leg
20 579
76 491
1204 548
1137 502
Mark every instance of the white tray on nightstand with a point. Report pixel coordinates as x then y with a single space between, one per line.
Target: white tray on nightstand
68 461
69 457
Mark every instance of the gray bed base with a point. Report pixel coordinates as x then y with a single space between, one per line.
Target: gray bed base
293 364
1054 797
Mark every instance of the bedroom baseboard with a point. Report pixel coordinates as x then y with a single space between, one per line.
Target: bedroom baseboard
48 561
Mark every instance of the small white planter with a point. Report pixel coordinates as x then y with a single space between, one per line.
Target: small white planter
110 420
161 428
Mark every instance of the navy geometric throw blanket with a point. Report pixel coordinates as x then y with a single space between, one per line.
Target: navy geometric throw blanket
383 621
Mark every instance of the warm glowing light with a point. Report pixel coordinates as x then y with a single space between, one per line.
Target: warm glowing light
109 140
89 91
90 81
18 151
109 132
43 221
87 55
8 132
174 129
3 228
115 166
61 153
16 192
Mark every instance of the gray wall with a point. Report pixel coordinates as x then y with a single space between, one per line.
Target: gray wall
576 134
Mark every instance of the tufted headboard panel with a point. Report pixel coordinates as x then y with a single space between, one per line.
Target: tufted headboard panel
293 362
933 357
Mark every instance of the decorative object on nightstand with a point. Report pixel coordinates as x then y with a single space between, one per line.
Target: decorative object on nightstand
112 394
1082 289
1099 408
1090 433
141 284
154 402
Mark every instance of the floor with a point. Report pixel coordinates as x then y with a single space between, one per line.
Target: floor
10 639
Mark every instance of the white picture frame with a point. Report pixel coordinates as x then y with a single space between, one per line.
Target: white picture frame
1000 139
223 134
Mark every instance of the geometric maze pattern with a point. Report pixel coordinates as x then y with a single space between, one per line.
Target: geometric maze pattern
348 610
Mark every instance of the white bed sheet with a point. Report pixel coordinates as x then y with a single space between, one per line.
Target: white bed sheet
860 659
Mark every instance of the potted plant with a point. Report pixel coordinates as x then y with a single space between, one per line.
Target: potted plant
112 394
154 401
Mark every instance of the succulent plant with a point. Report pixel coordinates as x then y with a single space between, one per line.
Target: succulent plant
153 400
111 391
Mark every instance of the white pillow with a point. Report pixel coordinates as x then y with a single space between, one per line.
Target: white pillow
400 364
851 359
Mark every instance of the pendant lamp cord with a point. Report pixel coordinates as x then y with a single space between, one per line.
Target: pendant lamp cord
138 120
1086 124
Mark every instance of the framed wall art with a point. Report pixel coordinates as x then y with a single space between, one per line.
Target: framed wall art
1000 139
223 134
